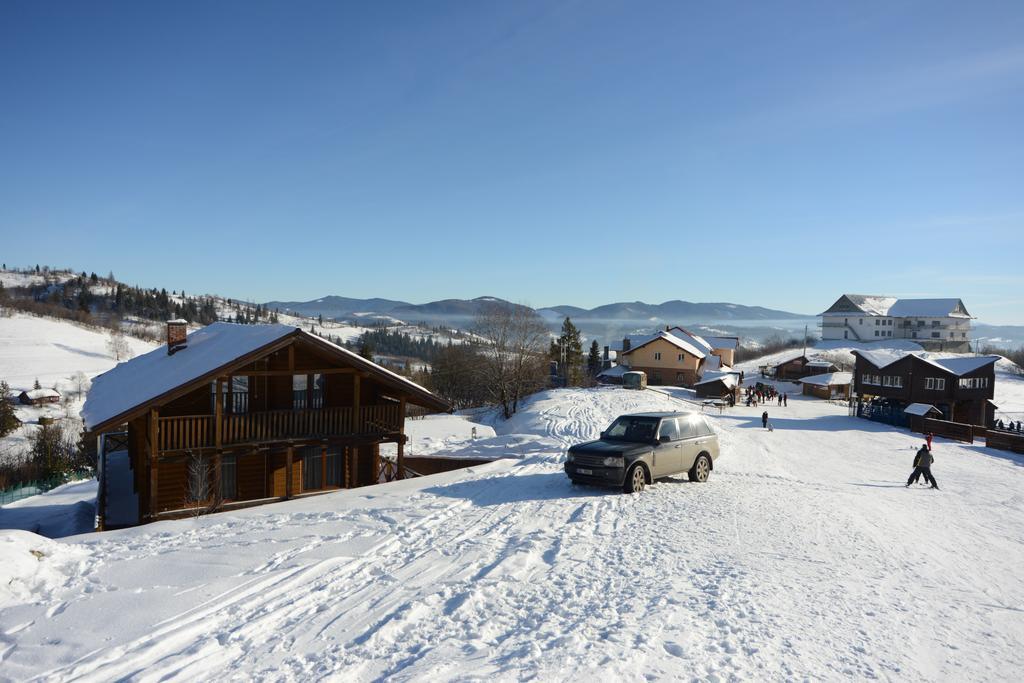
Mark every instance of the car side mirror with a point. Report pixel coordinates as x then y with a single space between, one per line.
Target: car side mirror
665 438
603 435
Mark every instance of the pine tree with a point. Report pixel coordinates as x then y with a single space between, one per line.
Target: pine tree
594 359
8 420
366 350
37 385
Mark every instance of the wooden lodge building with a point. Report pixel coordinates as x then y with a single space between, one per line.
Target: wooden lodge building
961 388
270 412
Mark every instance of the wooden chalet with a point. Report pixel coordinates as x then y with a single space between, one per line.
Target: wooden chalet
828 386
270 411
38 397
798 367
961 388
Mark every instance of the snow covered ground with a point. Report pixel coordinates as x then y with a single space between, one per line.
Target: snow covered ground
803 557
64 511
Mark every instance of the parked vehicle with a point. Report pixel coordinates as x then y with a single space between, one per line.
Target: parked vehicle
638 449
635 379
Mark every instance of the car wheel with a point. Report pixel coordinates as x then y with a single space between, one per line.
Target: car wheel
636 480
701 469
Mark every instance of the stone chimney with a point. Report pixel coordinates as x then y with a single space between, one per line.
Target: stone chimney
177 333
625 344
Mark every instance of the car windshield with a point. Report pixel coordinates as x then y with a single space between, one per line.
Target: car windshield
629 428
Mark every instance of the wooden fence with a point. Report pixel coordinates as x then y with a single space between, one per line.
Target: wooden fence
1005 441
950 430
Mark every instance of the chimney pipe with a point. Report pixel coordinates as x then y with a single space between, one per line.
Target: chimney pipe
177 332
625 344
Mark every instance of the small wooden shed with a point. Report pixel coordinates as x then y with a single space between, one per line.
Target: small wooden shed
830 385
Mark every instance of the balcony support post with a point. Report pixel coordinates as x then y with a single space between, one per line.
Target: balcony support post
154 445
218 418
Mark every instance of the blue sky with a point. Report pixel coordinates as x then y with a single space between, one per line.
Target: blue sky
773 154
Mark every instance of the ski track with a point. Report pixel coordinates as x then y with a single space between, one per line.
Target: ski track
516 574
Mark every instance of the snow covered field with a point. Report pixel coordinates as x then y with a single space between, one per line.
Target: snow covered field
803 557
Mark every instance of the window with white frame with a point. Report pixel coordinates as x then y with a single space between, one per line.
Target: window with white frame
680 358
657 355
940 383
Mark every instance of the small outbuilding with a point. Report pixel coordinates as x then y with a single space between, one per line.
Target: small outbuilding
721 386
37 397
917 412
829 385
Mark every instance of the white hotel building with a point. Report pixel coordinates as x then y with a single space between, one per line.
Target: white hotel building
935 324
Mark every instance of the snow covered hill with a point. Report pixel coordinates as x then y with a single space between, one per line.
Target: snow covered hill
60 354
803 557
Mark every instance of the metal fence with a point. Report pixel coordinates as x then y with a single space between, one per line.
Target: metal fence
887 414
35 487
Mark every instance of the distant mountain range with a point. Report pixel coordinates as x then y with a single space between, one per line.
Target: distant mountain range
603 322
458 310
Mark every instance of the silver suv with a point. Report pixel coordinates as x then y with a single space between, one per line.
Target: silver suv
637 449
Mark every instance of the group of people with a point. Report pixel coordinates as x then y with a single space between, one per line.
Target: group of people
1009 426
756 395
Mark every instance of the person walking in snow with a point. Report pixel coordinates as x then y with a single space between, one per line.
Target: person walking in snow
928 438
923 466
785 400
764 419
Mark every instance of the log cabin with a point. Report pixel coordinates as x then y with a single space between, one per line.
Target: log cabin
961 387
261 412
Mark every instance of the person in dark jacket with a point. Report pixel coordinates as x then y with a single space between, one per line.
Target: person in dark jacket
923 466
764 419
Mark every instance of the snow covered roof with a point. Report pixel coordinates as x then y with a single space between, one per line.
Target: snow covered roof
35 394
690 337
723 342
145 378
671 339
920 409
820 363
880 358
965 364
899 308
614 371
829 379
712 363
958 365
929 308
872 304
728 379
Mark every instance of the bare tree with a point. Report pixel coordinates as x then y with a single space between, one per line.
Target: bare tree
117 346
516 341
200 494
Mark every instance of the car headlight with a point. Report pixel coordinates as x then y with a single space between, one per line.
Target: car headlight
569 457
612 462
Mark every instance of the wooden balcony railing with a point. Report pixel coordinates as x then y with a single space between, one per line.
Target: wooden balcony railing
199 431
